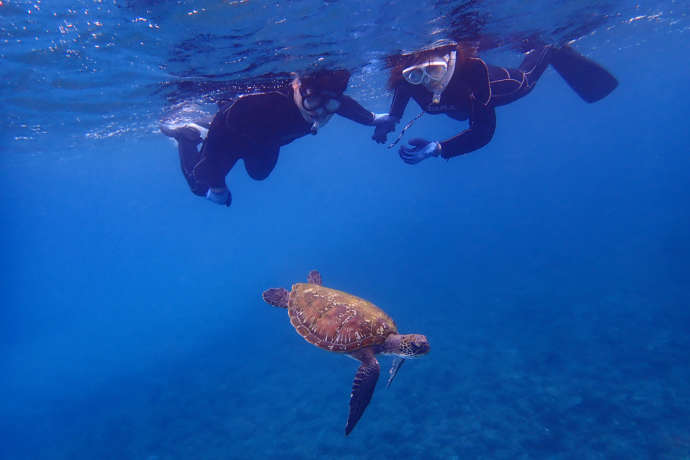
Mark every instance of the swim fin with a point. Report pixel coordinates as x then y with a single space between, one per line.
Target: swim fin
587 78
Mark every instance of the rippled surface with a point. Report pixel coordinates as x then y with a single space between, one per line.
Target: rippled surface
111 68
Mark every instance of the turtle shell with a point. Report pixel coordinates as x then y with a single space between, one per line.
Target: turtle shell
335 320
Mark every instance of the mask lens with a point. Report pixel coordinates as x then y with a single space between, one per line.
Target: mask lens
436 71
332 105
312 102
414 76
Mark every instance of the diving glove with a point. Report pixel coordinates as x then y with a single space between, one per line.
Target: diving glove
421 150
219 196
384 123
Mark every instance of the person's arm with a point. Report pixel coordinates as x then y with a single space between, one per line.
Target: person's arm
480 132
353 110
476 73
482 115
384 123
401 96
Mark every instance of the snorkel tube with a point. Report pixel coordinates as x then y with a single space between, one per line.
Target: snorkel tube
438 87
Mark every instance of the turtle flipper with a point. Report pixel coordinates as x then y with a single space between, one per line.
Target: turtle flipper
314 277
395 367
278 297
362 389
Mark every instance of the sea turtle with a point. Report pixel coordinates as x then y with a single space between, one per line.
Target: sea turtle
340 322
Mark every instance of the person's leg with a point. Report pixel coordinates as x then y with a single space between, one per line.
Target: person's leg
260 163
217 156
213 167
534 65
509 85
211 171
188 138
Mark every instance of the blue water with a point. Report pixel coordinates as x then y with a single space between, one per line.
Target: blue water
549 270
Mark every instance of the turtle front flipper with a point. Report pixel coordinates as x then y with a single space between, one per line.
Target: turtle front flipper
278 297
362 389
395 367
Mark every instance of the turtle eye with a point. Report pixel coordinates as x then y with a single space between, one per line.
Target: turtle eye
419 347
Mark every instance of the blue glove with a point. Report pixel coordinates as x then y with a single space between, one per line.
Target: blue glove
384 123
421 150
219 196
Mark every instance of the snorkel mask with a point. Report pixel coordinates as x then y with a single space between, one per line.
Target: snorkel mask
434 74
316 107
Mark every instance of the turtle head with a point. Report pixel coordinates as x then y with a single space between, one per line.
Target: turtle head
407 345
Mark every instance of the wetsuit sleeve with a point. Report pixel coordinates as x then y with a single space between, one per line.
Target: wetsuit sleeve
401 96
351 109
480 132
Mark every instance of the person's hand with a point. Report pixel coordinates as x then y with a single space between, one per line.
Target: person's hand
384 123
219 196
421 150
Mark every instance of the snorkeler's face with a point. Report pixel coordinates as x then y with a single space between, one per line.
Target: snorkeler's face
317 107
319 103
434 73
432 70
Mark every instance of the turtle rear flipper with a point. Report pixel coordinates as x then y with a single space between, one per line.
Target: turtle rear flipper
362 390
278 297
314 277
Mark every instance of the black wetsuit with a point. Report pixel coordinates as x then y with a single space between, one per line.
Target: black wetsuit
252 127
473 92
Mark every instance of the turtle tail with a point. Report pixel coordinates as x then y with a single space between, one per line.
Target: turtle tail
278 297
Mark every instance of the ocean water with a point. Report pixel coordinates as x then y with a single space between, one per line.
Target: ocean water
549 269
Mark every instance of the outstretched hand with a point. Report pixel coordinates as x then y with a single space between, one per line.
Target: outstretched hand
384 123
420 149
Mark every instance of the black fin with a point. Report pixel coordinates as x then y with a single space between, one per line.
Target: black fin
278 297
314 277
587 78
362 389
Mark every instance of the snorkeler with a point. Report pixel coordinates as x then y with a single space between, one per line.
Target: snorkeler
443 79
253 127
